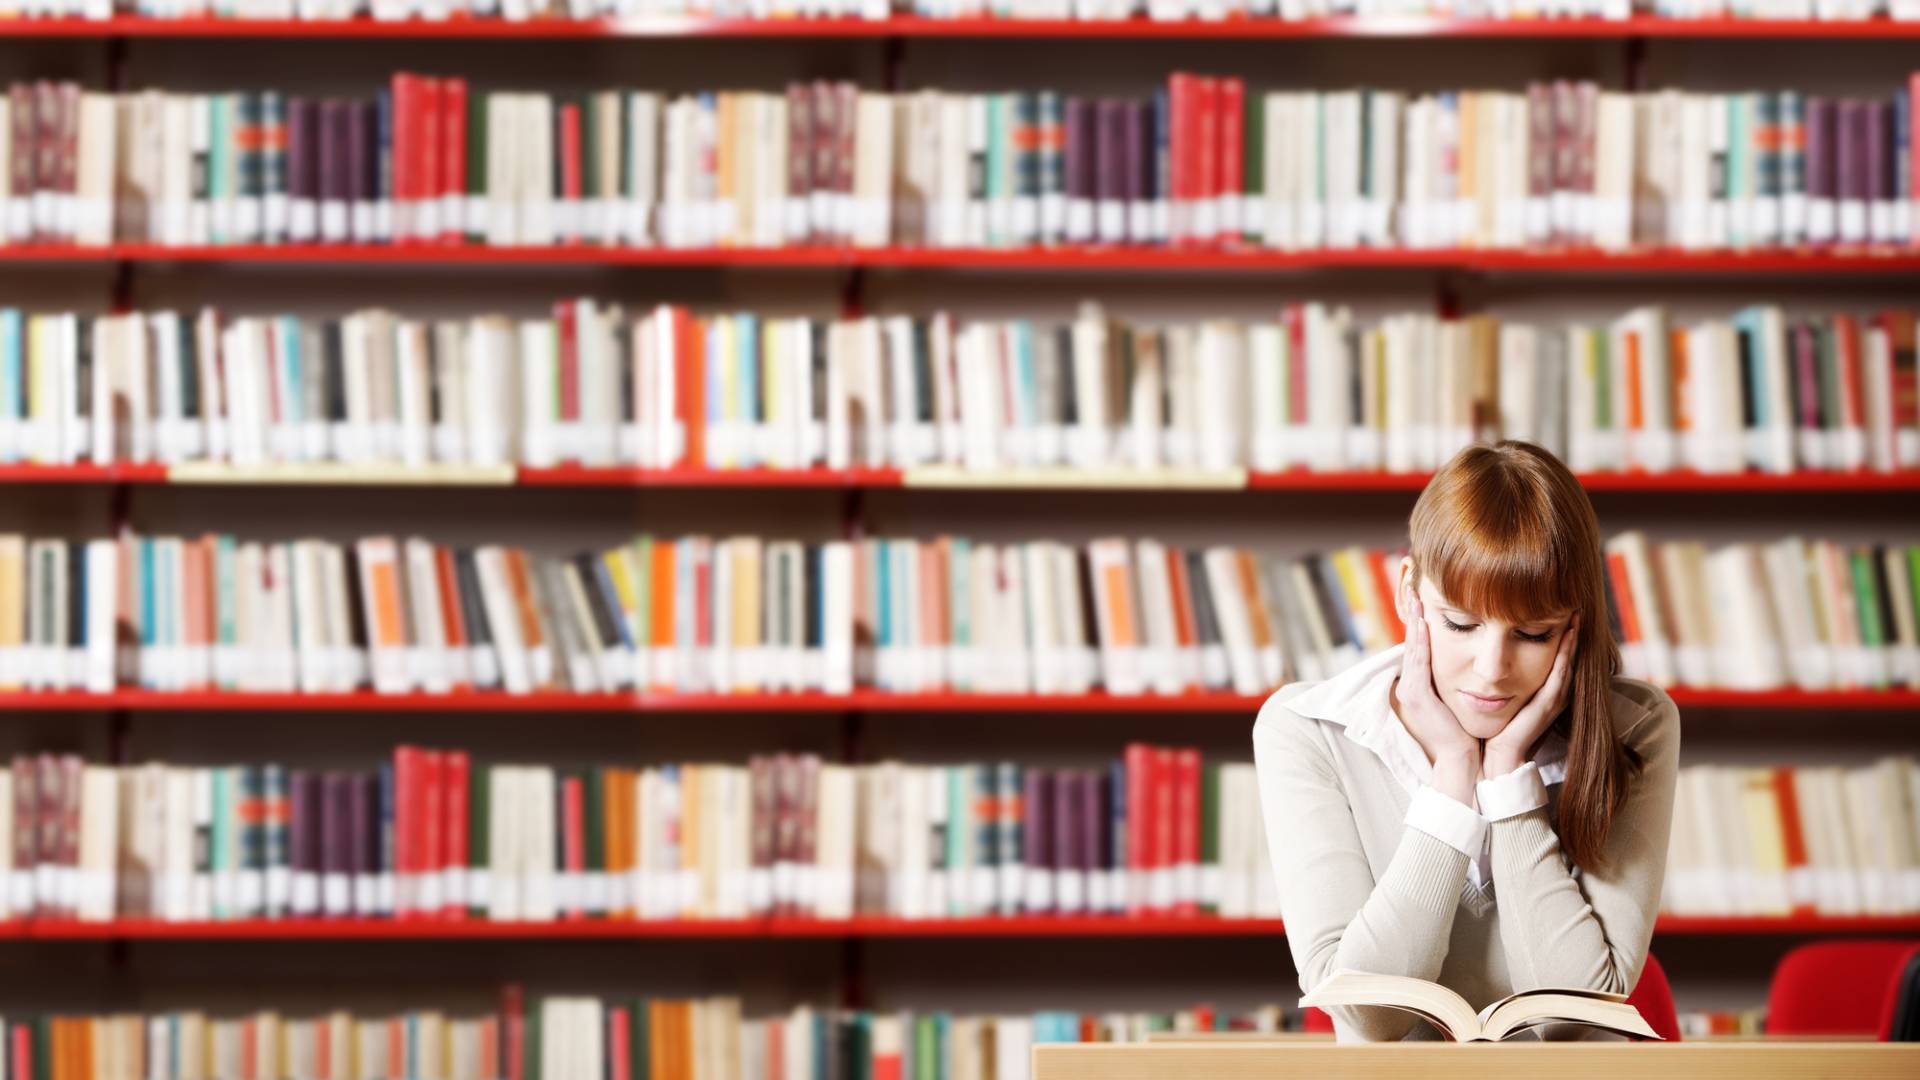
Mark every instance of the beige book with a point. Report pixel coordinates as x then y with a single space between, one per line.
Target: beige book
1501 1019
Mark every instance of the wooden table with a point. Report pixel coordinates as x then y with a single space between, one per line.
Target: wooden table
1243 1059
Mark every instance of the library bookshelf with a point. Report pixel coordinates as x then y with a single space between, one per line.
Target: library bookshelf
1562 268
775 928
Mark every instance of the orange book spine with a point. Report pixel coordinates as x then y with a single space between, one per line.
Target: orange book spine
1629 614
1677 365
521 582
689 340
1383 586
452 625
1256 608
662 602
1636 416
1790 826
1182 591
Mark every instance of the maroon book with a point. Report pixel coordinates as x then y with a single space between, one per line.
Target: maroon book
1036 826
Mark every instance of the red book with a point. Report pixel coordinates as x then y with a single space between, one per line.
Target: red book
776 1052
406 809
1184 122
1135 883
456 775
453 158
1905 389
1294 318
565 318
570 169
490 1047
1206 156
431 821
1853 407
397 1047
404 91
574 823
1164 843
426 195
1187 823
1232 143
249 1048
513 1031
22 1051
703 598
618 1049
1913 152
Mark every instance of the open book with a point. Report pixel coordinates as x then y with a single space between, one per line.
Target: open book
1455 1018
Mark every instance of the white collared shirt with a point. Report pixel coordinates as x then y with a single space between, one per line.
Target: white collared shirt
1357 699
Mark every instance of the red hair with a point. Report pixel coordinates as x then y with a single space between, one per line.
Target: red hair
1507 532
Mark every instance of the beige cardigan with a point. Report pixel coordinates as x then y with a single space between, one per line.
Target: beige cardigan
1361 889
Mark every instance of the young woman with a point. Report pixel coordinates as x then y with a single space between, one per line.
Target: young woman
1487 805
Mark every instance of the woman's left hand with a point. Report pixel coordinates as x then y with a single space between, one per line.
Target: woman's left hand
1507 751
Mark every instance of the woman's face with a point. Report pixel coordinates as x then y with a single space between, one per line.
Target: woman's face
1484 669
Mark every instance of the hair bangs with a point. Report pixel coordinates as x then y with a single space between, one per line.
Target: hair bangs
1516 575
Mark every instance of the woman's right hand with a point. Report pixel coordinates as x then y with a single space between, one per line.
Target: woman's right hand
1454 753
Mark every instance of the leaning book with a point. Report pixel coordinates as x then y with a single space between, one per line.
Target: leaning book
1502 1019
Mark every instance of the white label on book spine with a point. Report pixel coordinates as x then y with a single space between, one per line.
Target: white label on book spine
336 895
303 896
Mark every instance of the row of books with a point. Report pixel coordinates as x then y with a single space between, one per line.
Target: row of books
748 614
1312 388
1722 1023
575 1037
1203 161
1751 615
1082 10
1759 841
431 835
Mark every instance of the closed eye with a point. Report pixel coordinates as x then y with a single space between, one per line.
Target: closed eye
1458 628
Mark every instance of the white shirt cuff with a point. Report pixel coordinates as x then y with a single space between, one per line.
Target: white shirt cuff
1449 821
1515 793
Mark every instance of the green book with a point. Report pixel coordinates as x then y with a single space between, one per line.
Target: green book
530 1044
639 1050
1602 382
479 799
42 1048
1913 573
1866 598
1828 362
593 785
589 152
859 1059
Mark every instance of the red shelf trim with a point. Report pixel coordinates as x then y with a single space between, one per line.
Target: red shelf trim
1040 926
1198 258
582 476
860 701
699 27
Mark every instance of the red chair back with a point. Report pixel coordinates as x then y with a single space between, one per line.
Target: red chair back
1836 987
1317 1020
1653 996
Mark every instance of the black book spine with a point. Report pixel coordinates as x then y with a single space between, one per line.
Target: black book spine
336 375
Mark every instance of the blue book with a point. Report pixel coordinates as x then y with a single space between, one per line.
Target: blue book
13 384
883 599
